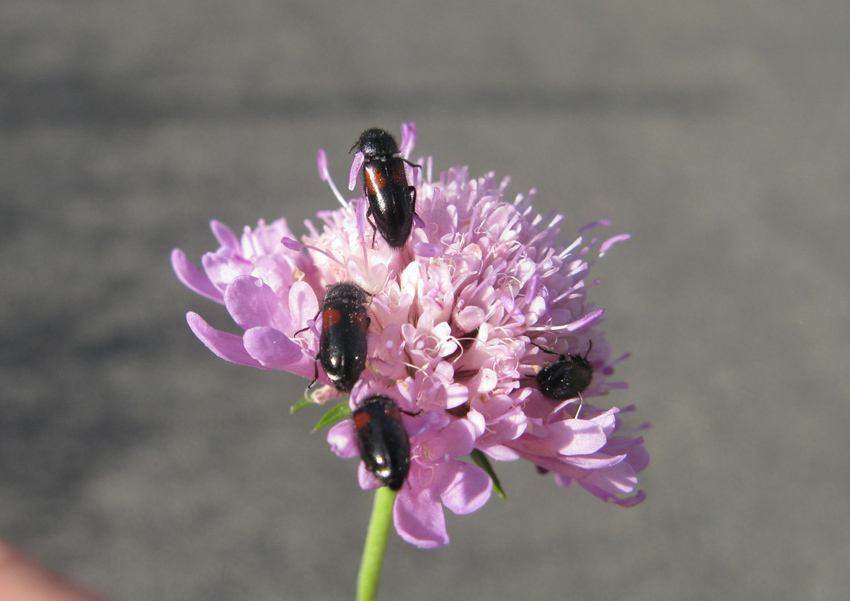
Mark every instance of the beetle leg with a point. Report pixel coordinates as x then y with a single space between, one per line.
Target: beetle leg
316 367
580 405
374 227
563 357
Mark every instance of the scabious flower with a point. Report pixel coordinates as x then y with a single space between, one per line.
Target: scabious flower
459 320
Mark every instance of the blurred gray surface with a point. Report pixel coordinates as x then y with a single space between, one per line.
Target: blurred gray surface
717 133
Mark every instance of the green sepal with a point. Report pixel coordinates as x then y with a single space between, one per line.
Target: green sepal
334 415
301 404
480 459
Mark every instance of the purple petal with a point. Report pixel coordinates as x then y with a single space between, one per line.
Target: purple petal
222 267
459 438
252 303
607 420
585 320
303 304
360 216
594 224
483 382
594 490
366 479
478 423
596 461
638 457
225 345
635 499
578 437
193 277
501 453
603 248
355 168
496 433
226 237
419 517
469 318
292 244
423 249
408 139
457 395
274 350
469 490
620 479
343 439
322 162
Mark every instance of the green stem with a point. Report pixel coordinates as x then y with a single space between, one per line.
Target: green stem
376 544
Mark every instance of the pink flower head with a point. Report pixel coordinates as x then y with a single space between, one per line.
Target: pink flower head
461 319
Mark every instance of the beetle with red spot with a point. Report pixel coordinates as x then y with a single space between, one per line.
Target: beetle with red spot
342 344
383 442
392 201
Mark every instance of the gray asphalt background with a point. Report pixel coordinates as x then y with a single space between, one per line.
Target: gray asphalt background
717 133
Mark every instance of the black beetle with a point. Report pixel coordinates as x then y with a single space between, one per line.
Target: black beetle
392 201
565 378
342 345
382 440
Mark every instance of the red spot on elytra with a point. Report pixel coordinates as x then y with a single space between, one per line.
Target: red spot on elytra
330 317
375 179
361 419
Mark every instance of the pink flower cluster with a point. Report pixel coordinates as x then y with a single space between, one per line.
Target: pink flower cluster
458 320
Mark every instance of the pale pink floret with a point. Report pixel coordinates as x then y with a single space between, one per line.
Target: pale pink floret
454 315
